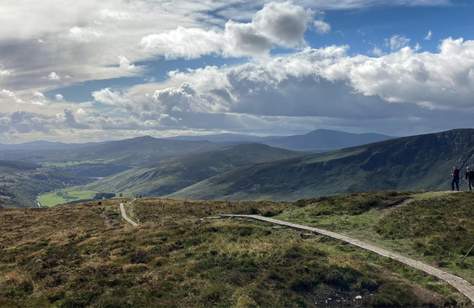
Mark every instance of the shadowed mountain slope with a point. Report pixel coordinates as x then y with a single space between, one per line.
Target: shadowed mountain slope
410 163
174 174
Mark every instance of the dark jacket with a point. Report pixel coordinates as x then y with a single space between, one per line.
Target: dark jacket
456 173
470 175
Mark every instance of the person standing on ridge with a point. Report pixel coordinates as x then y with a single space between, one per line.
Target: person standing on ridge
455 181
470 178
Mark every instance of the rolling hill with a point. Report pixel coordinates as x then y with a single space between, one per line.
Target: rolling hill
173 174
27 170
129 152
410 163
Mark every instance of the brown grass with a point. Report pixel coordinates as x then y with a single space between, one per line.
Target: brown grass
85 255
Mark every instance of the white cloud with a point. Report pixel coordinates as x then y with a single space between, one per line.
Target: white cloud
322 27
243 39
82 39
53 76
109 97
7 93
184 42
107 14
302 84
4 73
283 23
376 51
276 24
397 42
85 35
428 36
9 97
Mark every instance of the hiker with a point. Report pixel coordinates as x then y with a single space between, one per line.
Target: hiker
470 178
455 181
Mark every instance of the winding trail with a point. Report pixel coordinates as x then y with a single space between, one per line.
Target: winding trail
458 283
125 216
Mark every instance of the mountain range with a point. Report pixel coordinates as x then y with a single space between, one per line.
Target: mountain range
315 141
229 169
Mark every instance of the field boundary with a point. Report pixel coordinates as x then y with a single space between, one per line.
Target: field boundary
456 282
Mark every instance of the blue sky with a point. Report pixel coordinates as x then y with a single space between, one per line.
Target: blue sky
118 69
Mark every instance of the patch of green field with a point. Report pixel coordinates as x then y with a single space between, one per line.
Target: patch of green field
64 196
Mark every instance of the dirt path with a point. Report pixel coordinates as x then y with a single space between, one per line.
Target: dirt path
457 282
125 216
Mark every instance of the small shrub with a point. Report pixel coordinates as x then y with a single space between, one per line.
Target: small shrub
140 256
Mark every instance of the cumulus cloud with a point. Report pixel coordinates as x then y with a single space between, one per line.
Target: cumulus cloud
283 23
276 24
183 42
109 97
322 27
317 82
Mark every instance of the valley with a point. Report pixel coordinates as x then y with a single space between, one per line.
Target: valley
200 169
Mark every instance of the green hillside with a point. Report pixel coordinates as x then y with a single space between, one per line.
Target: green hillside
412 163
181 256
171 175
28 170
21 182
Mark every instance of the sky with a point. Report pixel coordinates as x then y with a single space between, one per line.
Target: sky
90 70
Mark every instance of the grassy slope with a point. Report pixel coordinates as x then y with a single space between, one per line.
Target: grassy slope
437 228
72 165
168 176
411 163
86 255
